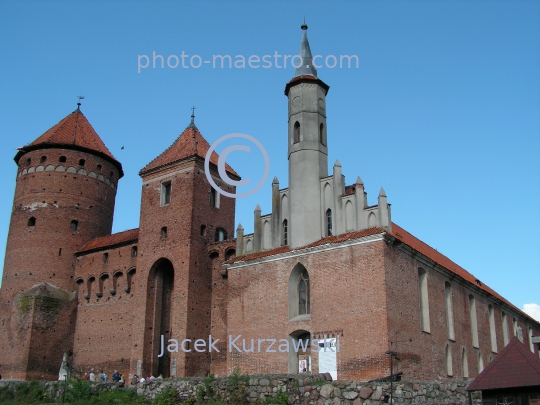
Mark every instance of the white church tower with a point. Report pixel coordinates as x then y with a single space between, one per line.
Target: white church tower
307 149
316 205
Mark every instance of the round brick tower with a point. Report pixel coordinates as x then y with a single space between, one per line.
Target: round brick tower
64 197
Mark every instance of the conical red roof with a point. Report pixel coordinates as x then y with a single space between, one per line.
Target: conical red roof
76 132
189 143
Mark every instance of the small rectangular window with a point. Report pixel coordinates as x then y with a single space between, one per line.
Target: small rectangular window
165 193
134 251
74 225
214 198
105 258
164 232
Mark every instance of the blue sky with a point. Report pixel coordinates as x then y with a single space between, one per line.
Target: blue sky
443 110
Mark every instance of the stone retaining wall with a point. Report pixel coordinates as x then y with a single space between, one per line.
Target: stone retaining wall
292 389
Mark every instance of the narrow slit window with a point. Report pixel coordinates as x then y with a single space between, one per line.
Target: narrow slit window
296 132
504 321
303 293
164 232
474 323
424 301
492 332
105 258
449 311
214 198
74 225
321 134
329 222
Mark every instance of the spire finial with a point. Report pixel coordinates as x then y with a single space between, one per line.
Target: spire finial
304 26
79 103
192 123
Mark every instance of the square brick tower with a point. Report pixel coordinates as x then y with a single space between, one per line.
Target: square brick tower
180 215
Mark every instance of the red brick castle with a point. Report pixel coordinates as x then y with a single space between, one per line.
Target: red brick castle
323 263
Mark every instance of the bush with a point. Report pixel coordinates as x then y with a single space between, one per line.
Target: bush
167 397
236 386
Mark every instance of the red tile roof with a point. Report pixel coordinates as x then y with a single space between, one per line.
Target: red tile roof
515 366
189 143
131 235
405 237
324 241
401 235
75 131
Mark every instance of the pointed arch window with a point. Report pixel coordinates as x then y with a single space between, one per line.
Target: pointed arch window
296 132
285 239
303 293
329 222
299 294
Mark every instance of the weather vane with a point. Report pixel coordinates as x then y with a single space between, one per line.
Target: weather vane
79 103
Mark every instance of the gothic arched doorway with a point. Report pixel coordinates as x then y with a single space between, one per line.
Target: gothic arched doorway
158 317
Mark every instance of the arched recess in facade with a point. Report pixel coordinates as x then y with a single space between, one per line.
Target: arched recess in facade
300 352
158 318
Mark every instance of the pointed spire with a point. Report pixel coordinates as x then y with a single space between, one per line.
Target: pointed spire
382 193
240 227
258 208
359 181
306 58
275 181
337 164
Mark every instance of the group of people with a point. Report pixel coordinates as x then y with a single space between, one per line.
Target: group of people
103 377
135 379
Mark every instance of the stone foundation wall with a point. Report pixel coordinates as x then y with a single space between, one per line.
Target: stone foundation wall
311 390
